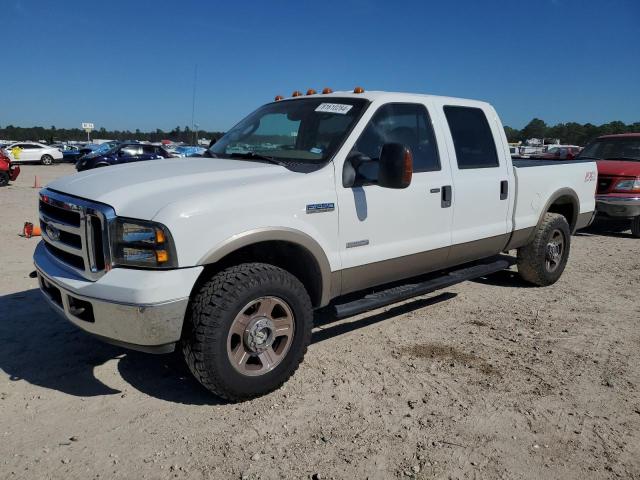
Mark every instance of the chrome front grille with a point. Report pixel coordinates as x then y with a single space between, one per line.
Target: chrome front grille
76 232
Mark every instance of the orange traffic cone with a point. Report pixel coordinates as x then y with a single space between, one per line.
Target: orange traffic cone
36 231
36 182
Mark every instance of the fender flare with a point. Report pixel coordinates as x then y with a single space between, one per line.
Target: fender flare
284 234
575 201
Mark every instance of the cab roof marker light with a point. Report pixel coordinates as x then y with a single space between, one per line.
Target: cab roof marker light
311 91
358 90
326 90
278 98
297 93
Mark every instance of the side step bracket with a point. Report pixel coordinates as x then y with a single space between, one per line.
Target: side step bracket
409 290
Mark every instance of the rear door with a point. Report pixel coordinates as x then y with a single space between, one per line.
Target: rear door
482 184
129 153
389 234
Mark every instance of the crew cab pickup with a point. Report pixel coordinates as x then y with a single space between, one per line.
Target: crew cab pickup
306 200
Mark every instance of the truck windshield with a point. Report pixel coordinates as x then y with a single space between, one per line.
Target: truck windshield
307 130
613 149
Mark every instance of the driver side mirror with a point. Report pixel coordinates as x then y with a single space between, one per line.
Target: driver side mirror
396 166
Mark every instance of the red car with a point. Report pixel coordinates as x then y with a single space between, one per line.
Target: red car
8 172
618 193
561 153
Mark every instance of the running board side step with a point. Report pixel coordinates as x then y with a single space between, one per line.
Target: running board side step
409 290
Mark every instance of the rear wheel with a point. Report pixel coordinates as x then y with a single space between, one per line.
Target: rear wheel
542 261
4 179
247 330
46 160
635 226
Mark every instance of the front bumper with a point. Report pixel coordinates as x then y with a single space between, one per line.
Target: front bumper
139 309
621 207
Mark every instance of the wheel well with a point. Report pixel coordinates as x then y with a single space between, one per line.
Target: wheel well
565 206
291 257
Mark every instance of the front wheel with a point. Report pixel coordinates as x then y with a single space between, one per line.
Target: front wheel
543 260
635 226
46 160
247 330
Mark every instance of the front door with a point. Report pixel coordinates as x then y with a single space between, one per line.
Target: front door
388 234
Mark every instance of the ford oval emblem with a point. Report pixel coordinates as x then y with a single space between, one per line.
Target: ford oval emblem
53 233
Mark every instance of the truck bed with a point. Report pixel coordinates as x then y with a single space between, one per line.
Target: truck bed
535 186
532 162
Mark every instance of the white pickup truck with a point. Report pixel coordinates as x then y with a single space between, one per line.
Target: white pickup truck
304 201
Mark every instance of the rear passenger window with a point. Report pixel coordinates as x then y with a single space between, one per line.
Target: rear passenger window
472 137
131 150
405 123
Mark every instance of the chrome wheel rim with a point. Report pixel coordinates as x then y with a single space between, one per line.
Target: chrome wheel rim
554 251
260 336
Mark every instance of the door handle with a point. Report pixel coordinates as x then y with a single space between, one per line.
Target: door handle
445 201
504 189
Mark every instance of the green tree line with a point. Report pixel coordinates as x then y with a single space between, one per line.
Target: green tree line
53 134
569 133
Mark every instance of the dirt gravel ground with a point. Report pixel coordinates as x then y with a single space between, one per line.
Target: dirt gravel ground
487 379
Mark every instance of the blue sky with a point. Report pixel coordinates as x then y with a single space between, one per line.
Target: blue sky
126 64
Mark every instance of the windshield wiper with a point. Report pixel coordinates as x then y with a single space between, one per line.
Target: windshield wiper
255 156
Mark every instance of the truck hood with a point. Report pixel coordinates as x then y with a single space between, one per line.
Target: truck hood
618 168
141 189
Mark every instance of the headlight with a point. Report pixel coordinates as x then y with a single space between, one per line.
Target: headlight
139 243
629 185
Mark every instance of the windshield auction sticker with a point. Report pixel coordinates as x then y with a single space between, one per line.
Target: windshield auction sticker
339 108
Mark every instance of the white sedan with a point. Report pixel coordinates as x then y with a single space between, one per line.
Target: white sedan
24 152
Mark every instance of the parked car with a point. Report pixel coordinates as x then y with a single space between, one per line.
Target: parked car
26 152
618 193
527 151
74 153
308 202
121 153
70 153
561 152
96 148
8 171
187 151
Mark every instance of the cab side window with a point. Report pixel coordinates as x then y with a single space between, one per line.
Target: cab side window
472 137
405 123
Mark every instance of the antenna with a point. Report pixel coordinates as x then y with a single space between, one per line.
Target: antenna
193 100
